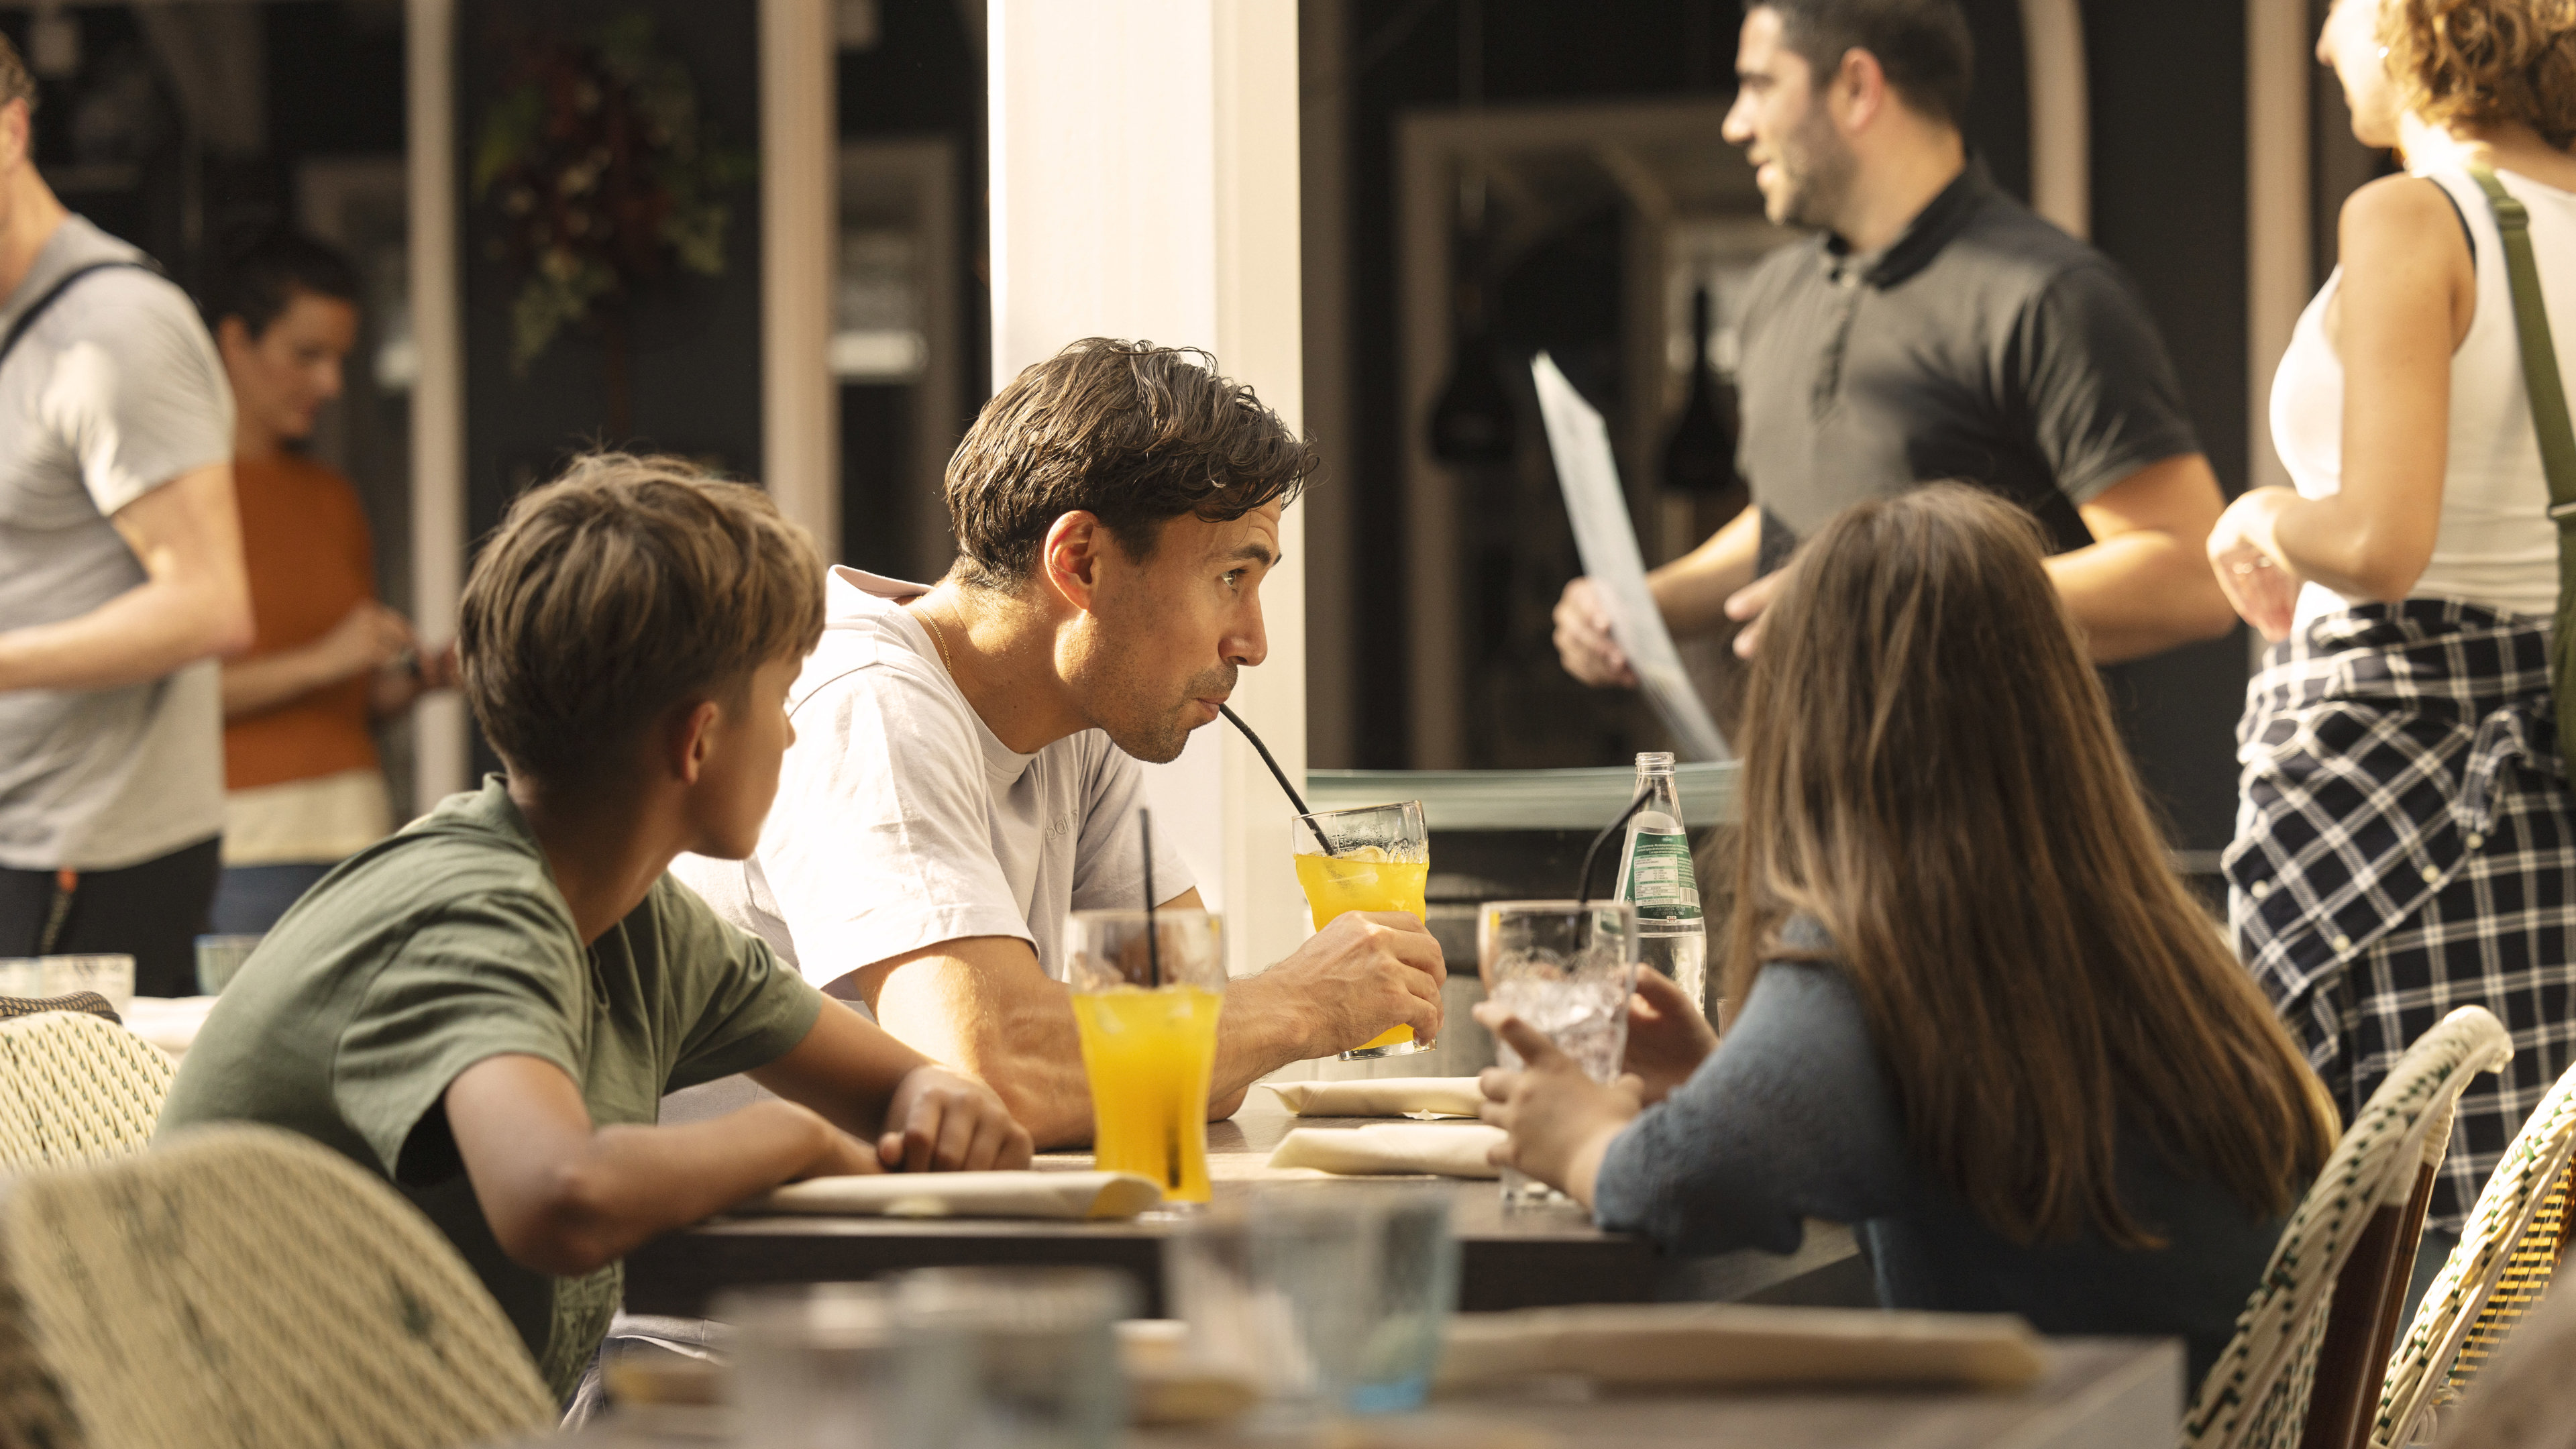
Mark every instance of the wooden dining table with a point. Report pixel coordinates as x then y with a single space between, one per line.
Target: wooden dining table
2092 1393
1509 1258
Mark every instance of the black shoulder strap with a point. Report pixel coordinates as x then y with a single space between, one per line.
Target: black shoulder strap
61 285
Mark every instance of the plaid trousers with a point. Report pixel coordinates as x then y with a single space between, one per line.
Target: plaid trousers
2406 844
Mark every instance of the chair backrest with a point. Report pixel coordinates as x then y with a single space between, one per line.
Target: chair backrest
2526 1398
88 1002
2507 1255
2297 1370
76 1088
241 1285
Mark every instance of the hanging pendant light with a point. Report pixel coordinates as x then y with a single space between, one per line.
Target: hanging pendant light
1472 421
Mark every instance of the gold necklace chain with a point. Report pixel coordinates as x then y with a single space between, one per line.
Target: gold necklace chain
939 637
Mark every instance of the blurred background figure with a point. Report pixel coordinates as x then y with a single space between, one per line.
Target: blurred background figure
303 786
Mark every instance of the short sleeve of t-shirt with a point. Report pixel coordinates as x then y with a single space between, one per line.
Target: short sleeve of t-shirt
2103 397
142 401
740 1007
881 842
485 977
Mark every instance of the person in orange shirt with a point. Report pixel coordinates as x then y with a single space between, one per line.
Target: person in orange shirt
303 787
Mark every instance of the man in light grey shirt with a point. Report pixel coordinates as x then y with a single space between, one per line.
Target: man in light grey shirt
965 770
121 580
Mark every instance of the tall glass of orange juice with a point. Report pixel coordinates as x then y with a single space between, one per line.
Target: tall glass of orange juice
1376 858
1146 1002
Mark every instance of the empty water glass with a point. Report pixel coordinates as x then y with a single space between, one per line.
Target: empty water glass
111 976
1325 1298
1566 969
218 958
1008 1358
809 1365
22 976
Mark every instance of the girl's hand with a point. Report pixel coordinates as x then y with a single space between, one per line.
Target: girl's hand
940 1121
2258 581
1559 1120
1667 1036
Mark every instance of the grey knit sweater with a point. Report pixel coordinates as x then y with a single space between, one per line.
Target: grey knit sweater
1793 1117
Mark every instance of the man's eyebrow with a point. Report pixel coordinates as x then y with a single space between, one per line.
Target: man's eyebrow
1251 549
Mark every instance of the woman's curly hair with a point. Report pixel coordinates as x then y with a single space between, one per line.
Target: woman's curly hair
2485 61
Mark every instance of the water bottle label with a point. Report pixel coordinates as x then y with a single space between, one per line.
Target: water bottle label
1660 880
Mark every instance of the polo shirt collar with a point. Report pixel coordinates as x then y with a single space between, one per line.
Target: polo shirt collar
1931 229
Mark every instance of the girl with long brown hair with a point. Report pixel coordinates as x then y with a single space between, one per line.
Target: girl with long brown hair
1980 1017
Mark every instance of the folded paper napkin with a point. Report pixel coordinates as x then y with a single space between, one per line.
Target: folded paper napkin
1449 1149
1382 1097
1682 1344
967 1195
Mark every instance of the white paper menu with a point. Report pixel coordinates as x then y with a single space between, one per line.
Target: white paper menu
1607 540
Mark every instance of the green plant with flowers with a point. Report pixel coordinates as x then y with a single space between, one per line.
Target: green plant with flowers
602 179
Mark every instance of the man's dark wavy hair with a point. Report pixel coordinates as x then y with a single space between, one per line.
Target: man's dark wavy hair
1132 433
1922 45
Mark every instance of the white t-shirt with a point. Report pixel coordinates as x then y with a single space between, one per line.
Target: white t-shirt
902 821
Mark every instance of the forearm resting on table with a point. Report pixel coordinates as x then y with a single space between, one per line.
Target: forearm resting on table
564 1197
982 1006
194 601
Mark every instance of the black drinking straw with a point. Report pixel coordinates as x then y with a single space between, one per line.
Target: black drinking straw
1153 938
1281 776
1154 964
1583 886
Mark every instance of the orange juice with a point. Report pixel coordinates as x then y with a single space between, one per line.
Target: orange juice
1149 1055
1364 880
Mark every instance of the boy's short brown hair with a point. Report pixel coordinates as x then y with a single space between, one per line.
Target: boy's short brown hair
622 588
1132 433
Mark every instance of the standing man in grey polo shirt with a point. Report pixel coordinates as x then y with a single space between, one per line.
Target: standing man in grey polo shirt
121 580
1934 328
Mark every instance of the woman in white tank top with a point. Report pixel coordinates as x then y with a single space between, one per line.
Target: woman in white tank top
2406 839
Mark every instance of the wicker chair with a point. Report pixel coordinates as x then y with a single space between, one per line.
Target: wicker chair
242 1286
2312 1344
76 1088
2507 1255
2524 1398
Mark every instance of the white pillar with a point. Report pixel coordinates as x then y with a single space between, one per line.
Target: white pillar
1144 185
798 217
439 764
2061 131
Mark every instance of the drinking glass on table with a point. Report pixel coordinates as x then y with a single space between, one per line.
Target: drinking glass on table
809 1364
1566 968
1146 1004
1375 858
1008 1358
110 975
1327 1298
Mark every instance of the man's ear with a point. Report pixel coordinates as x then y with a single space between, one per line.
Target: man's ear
1859 92
17 131
691 739
232 337
1069 559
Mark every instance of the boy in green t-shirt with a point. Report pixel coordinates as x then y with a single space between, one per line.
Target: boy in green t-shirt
488 1007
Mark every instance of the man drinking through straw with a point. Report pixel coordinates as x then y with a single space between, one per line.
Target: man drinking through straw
965 767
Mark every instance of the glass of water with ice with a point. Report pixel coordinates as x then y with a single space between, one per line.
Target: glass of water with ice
1566 968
